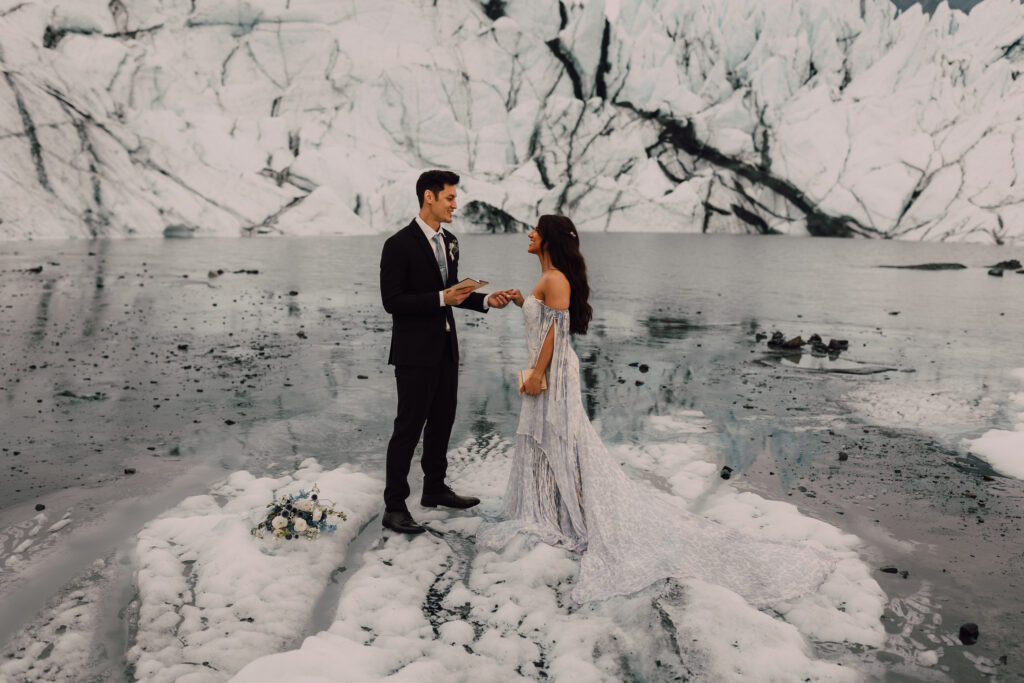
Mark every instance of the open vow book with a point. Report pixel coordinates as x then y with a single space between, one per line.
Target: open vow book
469 283
525 375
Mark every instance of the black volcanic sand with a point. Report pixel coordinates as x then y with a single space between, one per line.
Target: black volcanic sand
143 356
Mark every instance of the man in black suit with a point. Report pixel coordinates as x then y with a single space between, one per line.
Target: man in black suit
418 266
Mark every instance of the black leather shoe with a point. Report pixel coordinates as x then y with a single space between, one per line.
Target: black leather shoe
448 499
402 522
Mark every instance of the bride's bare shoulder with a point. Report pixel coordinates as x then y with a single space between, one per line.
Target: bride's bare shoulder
556 289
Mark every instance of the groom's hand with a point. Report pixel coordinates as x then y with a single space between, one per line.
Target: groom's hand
499 299
454 297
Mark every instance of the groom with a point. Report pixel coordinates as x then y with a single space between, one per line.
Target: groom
418 266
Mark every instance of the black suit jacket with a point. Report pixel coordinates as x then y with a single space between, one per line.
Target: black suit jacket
409 284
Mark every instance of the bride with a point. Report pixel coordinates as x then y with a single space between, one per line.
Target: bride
566 490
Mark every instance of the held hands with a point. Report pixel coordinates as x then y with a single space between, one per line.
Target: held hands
500 298
532 384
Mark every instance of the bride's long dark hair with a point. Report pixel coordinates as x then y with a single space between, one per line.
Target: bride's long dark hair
560 239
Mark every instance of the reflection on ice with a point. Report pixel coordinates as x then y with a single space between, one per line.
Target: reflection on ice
814 363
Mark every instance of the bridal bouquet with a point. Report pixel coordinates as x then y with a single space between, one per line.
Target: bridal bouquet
298 514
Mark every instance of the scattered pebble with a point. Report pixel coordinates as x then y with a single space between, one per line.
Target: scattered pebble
969 633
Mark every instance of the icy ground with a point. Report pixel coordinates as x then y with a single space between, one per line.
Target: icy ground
1004 449
214 601
823 117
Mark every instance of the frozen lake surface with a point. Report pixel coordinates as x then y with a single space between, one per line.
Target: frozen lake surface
137 355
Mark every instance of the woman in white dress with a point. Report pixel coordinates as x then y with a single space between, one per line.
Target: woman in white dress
566 490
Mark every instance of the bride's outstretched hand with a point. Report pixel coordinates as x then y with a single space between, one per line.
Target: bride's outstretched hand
515 296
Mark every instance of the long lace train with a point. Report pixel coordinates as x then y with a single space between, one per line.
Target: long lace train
565 489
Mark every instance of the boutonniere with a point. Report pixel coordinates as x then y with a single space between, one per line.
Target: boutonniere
453 248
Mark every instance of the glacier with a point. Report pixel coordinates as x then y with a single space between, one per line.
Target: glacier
245 117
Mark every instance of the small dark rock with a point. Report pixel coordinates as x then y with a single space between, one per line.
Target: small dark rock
293 293
362 377
905 573
794 343
843 456
996 272
40 507
129 470
726 472
1012 264
814 339
301 334
838 344
643 367
760 336
890 570
969 633
183 347
229 422
37 269
777 339
894 312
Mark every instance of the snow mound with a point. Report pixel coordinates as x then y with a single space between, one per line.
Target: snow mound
433 608
1003 448
213 597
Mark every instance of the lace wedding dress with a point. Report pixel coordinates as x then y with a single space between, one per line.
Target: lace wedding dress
566 490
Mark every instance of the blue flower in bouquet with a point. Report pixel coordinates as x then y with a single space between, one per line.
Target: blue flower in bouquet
303 514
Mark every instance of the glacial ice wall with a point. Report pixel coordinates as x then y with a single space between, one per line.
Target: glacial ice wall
236 117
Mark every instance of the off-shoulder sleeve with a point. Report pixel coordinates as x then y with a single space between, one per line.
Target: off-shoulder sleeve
546 415
561 352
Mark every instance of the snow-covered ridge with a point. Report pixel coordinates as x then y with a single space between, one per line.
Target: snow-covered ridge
828 117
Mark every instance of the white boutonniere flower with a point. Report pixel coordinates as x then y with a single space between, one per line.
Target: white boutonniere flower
453 249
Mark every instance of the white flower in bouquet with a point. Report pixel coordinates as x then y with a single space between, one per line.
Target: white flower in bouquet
302 515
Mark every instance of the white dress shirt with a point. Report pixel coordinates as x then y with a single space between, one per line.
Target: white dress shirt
429 233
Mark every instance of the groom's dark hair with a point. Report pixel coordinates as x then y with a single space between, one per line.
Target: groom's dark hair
434 181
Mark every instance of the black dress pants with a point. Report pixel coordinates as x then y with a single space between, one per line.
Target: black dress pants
426 396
